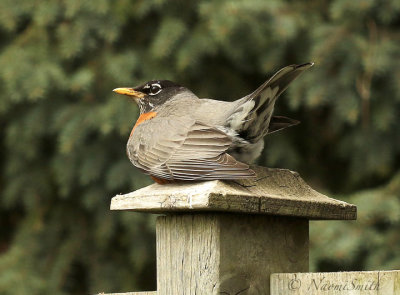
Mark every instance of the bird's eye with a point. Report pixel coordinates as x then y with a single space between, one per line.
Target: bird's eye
155 89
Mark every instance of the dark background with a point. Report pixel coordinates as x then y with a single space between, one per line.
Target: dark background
63 131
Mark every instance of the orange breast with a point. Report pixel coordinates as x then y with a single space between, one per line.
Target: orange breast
142 118
161 181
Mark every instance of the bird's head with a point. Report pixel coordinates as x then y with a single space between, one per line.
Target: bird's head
152 94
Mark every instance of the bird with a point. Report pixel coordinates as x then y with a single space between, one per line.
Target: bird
181 137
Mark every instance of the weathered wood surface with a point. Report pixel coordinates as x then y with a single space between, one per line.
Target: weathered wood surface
131 293
275 192
337 283
216 253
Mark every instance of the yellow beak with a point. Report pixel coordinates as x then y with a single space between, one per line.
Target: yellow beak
129 92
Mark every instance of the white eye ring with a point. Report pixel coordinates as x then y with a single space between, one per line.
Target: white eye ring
155 85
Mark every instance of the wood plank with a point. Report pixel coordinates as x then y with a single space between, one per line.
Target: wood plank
337 283
187 255
214 253
276 192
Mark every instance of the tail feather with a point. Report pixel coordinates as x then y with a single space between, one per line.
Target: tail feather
252 118
278 123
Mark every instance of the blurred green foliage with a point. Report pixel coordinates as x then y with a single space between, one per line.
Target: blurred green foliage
63 132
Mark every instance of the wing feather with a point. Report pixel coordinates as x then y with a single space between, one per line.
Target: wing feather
185 150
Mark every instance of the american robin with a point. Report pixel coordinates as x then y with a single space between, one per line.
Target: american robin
180 137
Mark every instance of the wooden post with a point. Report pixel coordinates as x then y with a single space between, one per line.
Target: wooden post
227 253
220 237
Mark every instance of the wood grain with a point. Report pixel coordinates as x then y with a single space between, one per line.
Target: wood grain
337 283
275 192
210 253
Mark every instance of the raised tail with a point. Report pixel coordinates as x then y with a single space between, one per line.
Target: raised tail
252 116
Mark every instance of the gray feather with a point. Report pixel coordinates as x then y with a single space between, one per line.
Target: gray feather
255 124
186 150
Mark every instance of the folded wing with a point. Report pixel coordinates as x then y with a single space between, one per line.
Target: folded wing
184 150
